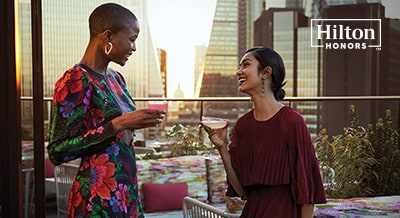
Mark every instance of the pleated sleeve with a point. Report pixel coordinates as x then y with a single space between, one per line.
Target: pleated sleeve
306 181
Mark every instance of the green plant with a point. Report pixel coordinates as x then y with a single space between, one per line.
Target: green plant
27 132
366 161
386 142
351 156
151 156
186 140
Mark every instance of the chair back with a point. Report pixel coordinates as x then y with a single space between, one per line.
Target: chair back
193 208
328 175
64 175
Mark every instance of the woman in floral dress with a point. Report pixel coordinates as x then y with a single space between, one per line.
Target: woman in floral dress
94 116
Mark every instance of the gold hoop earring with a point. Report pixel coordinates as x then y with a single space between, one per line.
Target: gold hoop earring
110 46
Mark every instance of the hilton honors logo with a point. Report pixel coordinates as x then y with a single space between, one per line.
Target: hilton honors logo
346 33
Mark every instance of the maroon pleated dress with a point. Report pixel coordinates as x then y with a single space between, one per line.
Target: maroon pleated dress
276 163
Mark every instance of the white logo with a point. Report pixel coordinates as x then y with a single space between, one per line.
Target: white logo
346 33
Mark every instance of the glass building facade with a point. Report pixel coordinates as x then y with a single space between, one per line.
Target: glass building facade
231 35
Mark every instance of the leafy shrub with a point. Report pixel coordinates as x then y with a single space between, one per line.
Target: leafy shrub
366 161
386 142
186 140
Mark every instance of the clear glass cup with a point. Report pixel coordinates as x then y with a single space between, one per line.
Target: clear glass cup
159 105
213 123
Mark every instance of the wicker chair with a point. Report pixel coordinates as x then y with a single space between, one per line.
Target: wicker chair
64 175
193 208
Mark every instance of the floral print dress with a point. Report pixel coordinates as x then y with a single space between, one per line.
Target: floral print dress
84 104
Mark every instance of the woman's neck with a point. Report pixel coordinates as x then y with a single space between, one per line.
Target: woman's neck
94 59
265 107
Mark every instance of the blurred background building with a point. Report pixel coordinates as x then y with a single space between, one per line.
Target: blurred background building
285 26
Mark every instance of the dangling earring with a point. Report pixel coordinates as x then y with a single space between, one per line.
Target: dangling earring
107 51
262 87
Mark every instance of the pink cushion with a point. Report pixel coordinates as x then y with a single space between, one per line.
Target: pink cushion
48 168
162 197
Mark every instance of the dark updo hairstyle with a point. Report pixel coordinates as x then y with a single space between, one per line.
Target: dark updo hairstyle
109 16
268 57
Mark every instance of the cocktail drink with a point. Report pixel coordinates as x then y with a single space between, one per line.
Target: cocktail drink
159 105
213 122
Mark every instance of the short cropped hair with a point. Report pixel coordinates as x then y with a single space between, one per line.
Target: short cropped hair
109 16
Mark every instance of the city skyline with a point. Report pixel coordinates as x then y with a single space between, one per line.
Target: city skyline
178 34
180 61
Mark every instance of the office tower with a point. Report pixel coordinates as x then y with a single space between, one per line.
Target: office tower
278 28
221 58
227 37
65 33
293 4
314 8
199 56
349 2
333 72
162 57
393 57
371 71
286 31
249 11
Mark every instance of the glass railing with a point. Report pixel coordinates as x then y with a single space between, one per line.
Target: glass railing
332 113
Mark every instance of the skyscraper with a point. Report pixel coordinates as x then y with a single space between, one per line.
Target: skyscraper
368 72
286 31
199 56
293 4
221 58
162 57
231 35
315 71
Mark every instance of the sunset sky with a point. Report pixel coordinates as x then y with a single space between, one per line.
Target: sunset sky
178 26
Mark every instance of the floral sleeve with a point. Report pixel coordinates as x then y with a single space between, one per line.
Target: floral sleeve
72 135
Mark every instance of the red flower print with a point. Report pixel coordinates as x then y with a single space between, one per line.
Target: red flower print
70 83
75 198
102 181
95 116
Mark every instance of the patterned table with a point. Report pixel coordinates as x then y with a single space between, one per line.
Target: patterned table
376 207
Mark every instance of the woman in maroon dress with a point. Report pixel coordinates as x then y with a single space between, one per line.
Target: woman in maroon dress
271 160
